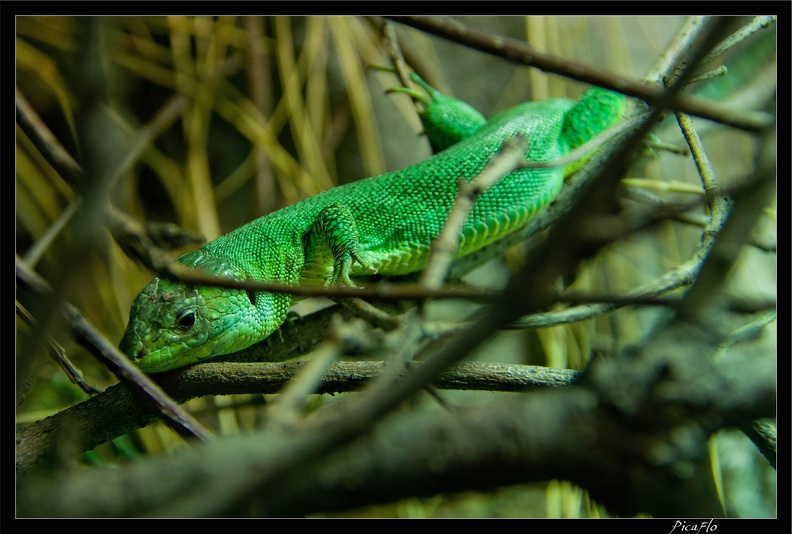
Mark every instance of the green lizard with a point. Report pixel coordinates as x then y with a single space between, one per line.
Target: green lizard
383 224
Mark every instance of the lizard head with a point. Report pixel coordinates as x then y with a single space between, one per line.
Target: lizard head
173 324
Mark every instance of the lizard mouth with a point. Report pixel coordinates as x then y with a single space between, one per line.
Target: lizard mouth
150 363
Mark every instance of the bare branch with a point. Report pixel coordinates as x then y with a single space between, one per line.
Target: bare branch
117 411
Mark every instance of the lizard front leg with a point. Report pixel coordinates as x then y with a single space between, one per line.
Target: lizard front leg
335 231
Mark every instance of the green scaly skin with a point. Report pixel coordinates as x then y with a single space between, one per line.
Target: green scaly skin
383 224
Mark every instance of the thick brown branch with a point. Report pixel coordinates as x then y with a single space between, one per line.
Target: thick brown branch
117 412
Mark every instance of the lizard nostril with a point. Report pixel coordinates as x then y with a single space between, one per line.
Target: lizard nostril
134 352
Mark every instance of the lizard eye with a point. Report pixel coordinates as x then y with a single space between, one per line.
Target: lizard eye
185 320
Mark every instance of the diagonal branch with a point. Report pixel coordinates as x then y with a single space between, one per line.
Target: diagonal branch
175 416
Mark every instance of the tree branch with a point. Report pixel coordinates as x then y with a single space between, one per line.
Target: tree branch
117 411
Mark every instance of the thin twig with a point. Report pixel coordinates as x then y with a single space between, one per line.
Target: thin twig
737 305
718 71
715 201
286 408
674 53
756 24
58 353
44 140
695 219
379 291
43 243
394 52
664 185
580 153
370 313
507 160
706 291
747 332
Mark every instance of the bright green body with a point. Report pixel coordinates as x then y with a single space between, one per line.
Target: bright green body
386 222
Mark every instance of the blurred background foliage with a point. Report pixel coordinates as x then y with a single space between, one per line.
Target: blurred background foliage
244 115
